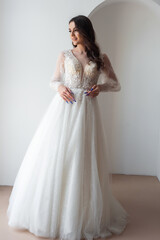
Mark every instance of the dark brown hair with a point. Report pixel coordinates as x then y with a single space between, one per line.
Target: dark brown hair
85 28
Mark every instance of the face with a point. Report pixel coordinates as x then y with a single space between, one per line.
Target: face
76 37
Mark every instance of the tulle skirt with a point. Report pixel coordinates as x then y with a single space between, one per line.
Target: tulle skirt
62 189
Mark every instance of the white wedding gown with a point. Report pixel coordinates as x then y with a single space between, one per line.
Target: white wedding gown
62 189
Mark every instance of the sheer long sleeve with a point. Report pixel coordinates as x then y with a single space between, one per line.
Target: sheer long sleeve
108 80
58 75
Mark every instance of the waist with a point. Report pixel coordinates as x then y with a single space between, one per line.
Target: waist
78 89
79 93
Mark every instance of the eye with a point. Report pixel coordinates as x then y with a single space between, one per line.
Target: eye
76 29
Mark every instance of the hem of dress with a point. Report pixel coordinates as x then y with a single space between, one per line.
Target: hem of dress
116 228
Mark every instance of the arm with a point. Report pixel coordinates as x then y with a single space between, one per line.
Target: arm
108 77
57 77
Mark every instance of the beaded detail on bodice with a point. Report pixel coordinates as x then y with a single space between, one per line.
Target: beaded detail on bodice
77 76
73 73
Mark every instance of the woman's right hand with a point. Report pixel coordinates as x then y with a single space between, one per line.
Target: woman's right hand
66 93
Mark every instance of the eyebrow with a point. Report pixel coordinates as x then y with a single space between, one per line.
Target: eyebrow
73 28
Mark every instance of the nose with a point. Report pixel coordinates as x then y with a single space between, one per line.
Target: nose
72 33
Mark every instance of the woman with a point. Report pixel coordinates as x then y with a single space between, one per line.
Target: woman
62 188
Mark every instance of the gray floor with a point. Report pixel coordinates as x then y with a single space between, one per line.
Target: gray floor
140 196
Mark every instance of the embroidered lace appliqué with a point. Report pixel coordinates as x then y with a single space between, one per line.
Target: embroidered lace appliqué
70 72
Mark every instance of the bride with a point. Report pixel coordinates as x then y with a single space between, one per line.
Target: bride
62 189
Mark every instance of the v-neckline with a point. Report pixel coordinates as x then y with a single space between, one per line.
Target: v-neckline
83 68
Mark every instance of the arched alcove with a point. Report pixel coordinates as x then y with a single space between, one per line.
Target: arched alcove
128 32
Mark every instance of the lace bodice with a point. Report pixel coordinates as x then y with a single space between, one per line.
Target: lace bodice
73 73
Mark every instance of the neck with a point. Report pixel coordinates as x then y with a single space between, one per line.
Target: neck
80 48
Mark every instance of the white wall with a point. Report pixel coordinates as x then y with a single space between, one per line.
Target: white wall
131 37
32 34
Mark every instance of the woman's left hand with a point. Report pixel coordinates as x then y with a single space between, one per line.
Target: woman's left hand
94 91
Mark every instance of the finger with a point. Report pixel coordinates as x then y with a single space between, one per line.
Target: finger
68 95
65 99
90 94
93 94
71 94
93 87
65 96
96 91
86 92
91 91
68 100
69 90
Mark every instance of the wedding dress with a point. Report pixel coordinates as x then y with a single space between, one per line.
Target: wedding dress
62 189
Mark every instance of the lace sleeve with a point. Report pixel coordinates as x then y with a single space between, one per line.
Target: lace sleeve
58 75
108 80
